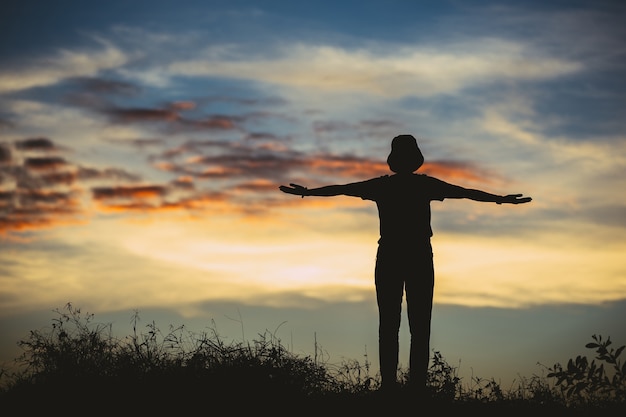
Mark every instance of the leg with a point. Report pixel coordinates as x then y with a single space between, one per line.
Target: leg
419 294
389 290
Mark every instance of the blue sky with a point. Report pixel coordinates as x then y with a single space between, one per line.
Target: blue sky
142 145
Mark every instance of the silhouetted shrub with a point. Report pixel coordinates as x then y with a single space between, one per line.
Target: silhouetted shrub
79 362
584 382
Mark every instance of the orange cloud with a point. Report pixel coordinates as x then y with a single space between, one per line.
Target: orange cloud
143 115
244 175
34 209
35 191
213 122
184 182
348 166
171 115
37 198
183 105
6 198
61 178
257 185
353 168
18 223
195 202
452 170
144 191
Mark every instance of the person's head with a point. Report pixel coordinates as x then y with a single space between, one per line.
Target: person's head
405 156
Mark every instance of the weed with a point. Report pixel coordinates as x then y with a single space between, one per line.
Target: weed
79 360
586 382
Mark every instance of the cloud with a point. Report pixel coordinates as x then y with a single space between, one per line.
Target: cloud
261 185
25 209
143 115
5 154
144 142
183 105
246 101
63 65
273 138
37 198
136 202
216 174
141 191
394 72
367 127
249 173
185 182
88 173
213 122
458 170
245 170
172 116
42 191
43 144
182 115
105 86
44 163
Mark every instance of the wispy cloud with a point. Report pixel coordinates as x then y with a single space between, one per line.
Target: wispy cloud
44 163
43 144
139 191
38 191
394 72
105 86
41 187
65 64
252 161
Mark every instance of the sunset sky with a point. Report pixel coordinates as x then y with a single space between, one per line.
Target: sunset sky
142 145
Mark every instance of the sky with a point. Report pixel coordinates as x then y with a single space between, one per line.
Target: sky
142 145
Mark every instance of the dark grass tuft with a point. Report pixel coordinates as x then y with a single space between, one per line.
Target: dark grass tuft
78 364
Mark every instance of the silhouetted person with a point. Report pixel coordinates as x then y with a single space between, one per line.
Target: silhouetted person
404 260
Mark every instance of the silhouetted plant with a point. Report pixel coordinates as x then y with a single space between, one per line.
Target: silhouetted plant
78 353
442 379
80 359
485 390
352 377
73 347
535 389
582 381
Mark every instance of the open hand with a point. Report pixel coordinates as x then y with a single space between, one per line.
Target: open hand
293 189
514 199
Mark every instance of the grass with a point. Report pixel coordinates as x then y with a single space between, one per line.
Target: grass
78 364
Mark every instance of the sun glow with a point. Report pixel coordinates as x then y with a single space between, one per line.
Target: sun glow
258 261
290 264
479 272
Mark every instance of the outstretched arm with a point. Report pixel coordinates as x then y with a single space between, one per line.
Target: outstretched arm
478 195
326 191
